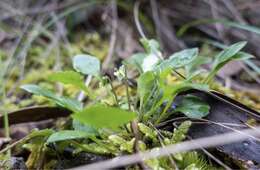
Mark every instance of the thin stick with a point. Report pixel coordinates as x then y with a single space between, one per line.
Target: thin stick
206 142
113 36
12 145
82 93
136 18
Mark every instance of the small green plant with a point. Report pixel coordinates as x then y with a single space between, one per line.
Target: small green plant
102 127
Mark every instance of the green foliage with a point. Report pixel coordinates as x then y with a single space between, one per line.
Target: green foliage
192 69
192 167
146 61
37 133
67 135
78 126
38 90
152 60
253 66
152 90
179 59
151 87
122 143
86 64
100 116
193 107
70 77
145 84
172 91
148 132
136 61
194 160
179 133
228 54
100 125
151 46
65 102
227 23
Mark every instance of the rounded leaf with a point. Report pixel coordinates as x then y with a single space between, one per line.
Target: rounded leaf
193 107
86 64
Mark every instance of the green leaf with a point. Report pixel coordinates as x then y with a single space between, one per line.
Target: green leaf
194 74
193 107
86 64
67 77
136 60
37 133
195 64
38 90
184 86
170 92
242 56
178 59
151 46
228 54
99 116
78 126
67 135
252 65
145 84
68 103
227 23
183 57
70 77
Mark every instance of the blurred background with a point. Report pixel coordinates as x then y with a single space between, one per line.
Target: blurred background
39 37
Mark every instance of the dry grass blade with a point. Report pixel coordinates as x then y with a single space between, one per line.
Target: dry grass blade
206 142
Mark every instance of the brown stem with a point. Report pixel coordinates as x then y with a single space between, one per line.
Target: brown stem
134 127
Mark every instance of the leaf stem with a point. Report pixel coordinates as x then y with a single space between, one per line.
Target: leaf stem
113 91
164 114
7 132
127 88
208 79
